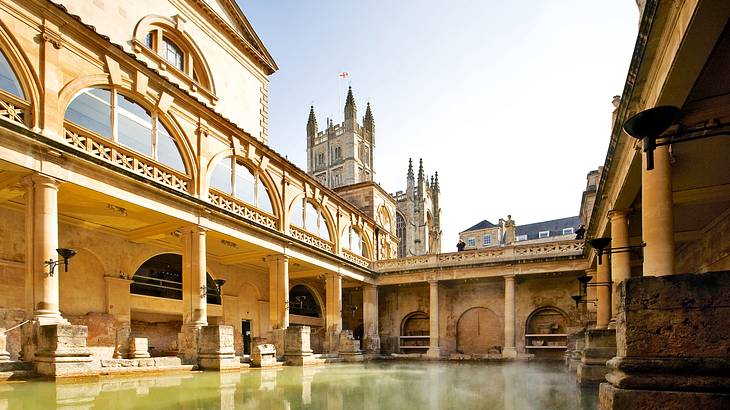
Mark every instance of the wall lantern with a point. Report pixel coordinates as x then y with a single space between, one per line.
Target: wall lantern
648 126
218 285
65 254
601 247
583 291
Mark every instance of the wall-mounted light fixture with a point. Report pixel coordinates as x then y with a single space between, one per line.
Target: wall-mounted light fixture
601 247
218 285
65 254
649 125
583 290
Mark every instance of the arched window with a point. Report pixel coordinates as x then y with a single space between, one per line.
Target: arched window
8 80
384 218
400 231
306 216
302 302
113 115
161 276
173 54
352 241
234 178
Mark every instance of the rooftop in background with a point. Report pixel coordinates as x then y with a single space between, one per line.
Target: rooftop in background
481 225
555 227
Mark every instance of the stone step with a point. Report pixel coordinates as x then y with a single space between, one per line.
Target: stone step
15 366
17 375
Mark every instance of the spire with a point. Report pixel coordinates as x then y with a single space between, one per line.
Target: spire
410 168
369 121
350 109
420 178
410 181
436 186
312 124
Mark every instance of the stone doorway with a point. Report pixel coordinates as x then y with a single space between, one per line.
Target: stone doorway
478 331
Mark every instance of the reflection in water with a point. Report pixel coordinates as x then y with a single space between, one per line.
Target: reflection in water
395 385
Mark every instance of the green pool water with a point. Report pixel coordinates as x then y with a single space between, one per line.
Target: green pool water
377 385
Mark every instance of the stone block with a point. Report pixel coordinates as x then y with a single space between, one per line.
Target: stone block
167 361
138 348
263 355
61 351
599 348
216 349
297 351
187 343
4 354
349 347
673 335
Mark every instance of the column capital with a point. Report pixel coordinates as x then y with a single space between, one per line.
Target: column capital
36 179
509 278
195 229
433 282
277 257
617 214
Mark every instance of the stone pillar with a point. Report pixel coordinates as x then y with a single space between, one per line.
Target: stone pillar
333 317
195 306
657 225
434 351
673 343
61 351
298 346
621 261
599 348
216 348
509 350
42 291
371 337
278 299
603 277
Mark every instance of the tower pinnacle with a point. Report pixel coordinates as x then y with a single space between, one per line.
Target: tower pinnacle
312 128
350 108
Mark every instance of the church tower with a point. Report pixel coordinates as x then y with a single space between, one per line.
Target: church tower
418 218
342 154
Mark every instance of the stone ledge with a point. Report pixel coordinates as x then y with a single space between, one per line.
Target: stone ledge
611 397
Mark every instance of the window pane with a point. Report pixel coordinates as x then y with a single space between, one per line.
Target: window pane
91 110
322 231
172 54
264 201
296 214
134 128
220 179
312 215
148 39
8 79
244 184
167 151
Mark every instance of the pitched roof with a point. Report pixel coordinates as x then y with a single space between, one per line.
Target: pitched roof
481 225
555 227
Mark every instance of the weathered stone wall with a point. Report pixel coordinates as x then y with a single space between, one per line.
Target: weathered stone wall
162 336
709 253
395 303
472 316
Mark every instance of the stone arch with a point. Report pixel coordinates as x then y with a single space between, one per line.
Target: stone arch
547 319
311 291
264 175
82 289
176 31
27 77
478 330
72 89
364 237
415 324
153 278
328 218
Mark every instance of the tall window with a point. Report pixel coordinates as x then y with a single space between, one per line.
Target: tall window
400 231
8 79
173 54
487 240
234 178
311 219
110 114
352 241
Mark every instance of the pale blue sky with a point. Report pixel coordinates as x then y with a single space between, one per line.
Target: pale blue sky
510 101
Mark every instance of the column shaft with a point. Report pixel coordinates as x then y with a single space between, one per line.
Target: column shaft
279 291
333 317
433 349
657 224
621 261
42 219
509 317
195 306
370 309
603 276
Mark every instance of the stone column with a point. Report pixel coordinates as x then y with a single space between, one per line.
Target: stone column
657 225
371 338
603 276
509 350
42 289
195 307
434 351
278 299
333 317
621 261
118 304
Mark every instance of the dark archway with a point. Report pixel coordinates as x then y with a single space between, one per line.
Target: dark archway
161 276
546 332
415 324
303 303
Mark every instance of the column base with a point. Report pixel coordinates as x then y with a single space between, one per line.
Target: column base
433 353
297 350
187 344
611 397
371 344
277 338
61 352
599 348
216 351
509 353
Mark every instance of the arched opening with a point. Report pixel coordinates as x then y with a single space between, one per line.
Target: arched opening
353 241
400 231
310 217
414 333
230 176
14 105
161 276
303 303
111 114
546 332
385 219
479 332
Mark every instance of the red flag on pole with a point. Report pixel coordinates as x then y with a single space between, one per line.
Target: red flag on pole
344 74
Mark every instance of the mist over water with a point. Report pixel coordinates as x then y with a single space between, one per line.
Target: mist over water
378 385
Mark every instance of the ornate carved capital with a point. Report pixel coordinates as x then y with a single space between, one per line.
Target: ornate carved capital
52 37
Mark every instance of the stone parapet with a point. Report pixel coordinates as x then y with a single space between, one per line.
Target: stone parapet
297 350
599 348
673 335
216 350
61 351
